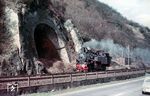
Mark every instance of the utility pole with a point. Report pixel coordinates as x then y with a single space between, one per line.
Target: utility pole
128 56
123 58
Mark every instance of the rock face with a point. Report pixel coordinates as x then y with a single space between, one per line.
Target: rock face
39 35
75 35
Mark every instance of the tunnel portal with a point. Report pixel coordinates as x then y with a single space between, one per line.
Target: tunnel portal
43 36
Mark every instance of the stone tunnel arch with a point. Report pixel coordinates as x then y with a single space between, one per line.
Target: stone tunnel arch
45 39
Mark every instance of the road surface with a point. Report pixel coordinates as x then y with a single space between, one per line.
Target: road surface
122 88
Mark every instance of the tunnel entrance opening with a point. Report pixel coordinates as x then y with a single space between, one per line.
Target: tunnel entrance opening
43 36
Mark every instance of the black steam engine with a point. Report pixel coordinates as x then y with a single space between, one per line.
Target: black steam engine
92 60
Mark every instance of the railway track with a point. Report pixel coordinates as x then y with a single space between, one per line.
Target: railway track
40 80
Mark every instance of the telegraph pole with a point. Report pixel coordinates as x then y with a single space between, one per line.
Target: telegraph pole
123 57
128 56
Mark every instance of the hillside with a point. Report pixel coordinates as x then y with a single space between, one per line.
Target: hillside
105 28
99 21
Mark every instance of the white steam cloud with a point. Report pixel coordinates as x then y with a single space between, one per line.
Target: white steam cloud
117 50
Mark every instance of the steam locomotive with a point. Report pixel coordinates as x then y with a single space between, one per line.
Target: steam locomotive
89 60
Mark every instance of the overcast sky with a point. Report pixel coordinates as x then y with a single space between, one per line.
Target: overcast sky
135 10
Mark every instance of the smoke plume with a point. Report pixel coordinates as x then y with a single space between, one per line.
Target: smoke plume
117 50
